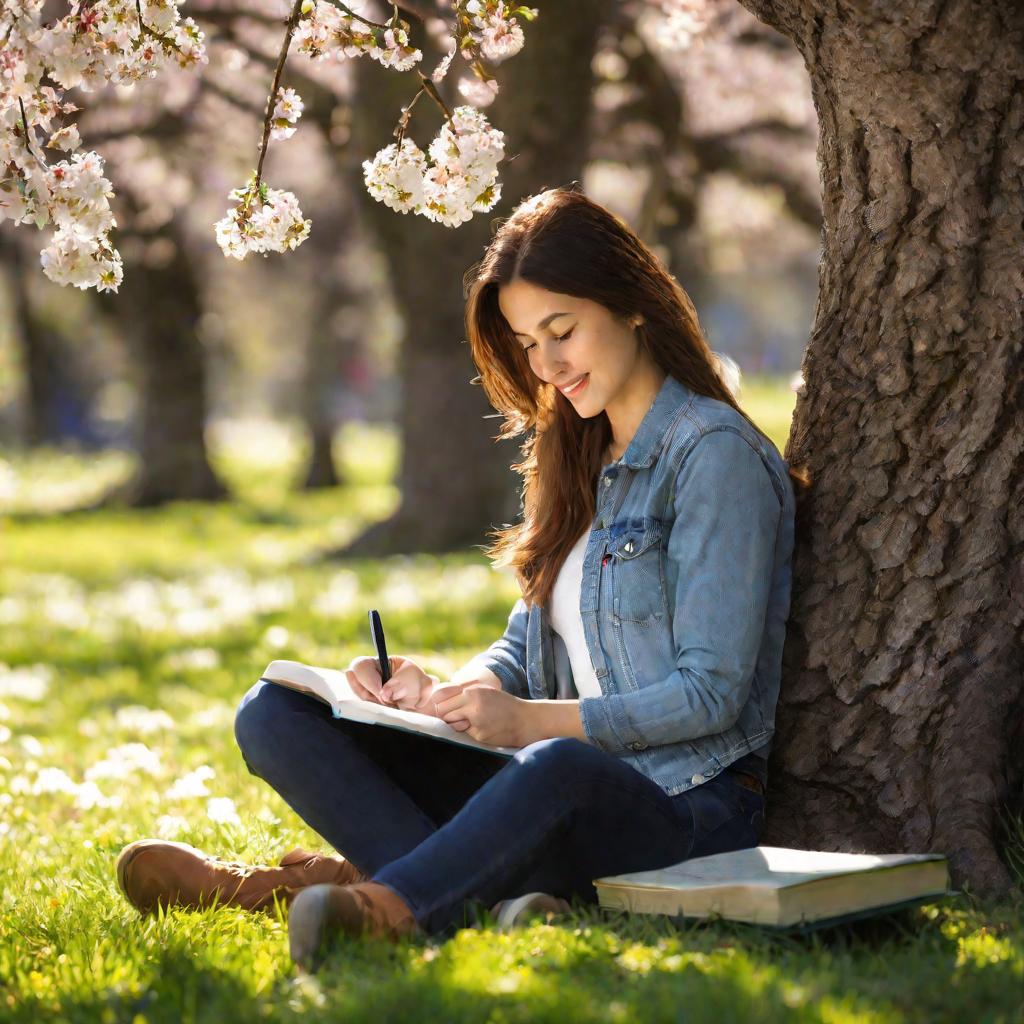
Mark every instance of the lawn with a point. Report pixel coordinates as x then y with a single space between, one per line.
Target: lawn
126 640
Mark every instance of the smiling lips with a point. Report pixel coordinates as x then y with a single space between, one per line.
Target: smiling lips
575 389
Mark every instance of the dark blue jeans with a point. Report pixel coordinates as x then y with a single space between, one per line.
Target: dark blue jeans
451 828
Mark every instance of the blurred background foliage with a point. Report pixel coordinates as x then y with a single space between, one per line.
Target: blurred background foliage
205 378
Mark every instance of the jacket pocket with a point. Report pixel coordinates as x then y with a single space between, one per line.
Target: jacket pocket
636 550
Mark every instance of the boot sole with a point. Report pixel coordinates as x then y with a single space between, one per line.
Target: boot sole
515 912
307 925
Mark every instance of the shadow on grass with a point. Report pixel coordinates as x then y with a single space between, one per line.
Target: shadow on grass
588 966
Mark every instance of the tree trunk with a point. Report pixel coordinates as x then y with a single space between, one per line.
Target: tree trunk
57 391
336 327
899 725
455 481
320 471
159 308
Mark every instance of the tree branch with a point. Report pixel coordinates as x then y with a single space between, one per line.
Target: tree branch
293 21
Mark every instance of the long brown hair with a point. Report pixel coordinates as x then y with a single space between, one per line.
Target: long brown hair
565 242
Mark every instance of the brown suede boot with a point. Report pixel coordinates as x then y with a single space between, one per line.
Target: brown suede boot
156 871
364 909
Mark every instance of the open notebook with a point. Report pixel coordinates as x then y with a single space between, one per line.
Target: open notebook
781 887
331 686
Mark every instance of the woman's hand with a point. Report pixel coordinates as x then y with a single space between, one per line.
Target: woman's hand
408 688
486 714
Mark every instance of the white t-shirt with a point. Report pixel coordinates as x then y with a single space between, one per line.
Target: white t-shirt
564 612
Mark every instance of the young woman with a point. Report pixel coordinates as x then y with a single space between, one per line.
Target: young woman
639 671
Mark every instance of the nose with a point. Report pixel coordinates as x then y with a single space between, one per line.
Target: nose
549 367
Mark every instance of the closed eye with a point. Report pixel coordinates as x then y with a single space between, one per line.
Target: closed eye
558 337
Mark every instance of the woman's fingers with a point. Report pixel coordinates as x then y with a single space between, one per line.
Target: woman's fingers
446 705
395 690
454 711
448 691
359 689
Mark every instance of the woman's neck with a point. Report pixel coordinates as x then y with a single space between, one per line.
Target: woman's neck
627 413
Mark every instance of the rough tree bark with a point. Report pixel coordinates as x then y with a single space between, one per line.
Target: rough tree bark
454 479
899 725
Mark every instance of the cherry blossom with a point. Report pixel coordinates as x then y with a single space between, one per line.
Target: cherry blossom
459 179
263 219
96 42
120 42
495 30
325 31
395 176
287 111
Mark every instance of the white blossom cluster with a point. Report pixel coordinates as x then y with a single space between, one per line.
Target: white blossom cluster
325 31
123 41
97 41
459 179
494 28
488 32
262 220
287 111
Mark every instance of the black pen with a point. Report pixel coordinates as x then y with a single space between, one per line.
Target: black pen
377 635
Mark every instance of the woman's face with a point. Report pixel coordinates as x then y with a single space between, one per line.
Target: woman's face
568 339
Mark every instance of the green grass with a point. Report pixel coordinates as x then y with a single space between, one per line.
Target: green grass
177 610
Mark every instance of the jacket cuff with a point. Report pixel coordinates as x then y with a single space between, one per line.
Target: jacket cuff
510 678
606 725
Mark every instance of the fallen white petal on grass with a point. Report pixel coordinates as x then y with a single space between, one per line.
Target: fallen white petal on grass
168 826
191 784
53 780
222 810
31 745
89 796
125 760
277 636
30 682
194 659
136 718
340 597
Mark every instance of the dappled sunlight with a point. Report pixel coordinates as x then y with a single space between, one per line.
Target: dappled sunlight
46 481
126 642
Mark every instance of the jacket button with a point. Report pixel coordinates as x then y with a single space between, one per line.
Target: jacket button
606 481
637 745
697 779
628 546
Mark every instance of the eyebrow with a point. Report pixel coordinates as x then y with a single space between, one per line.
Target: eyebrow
542 324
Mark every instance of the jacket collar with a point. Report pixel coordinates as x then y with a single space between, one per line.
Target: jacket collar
672 398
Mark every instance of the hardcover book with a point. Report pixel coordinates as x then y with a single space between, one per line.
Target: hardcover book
781 887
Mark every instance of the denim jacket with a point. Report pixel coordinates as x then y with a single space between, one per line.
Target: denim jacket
685 596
